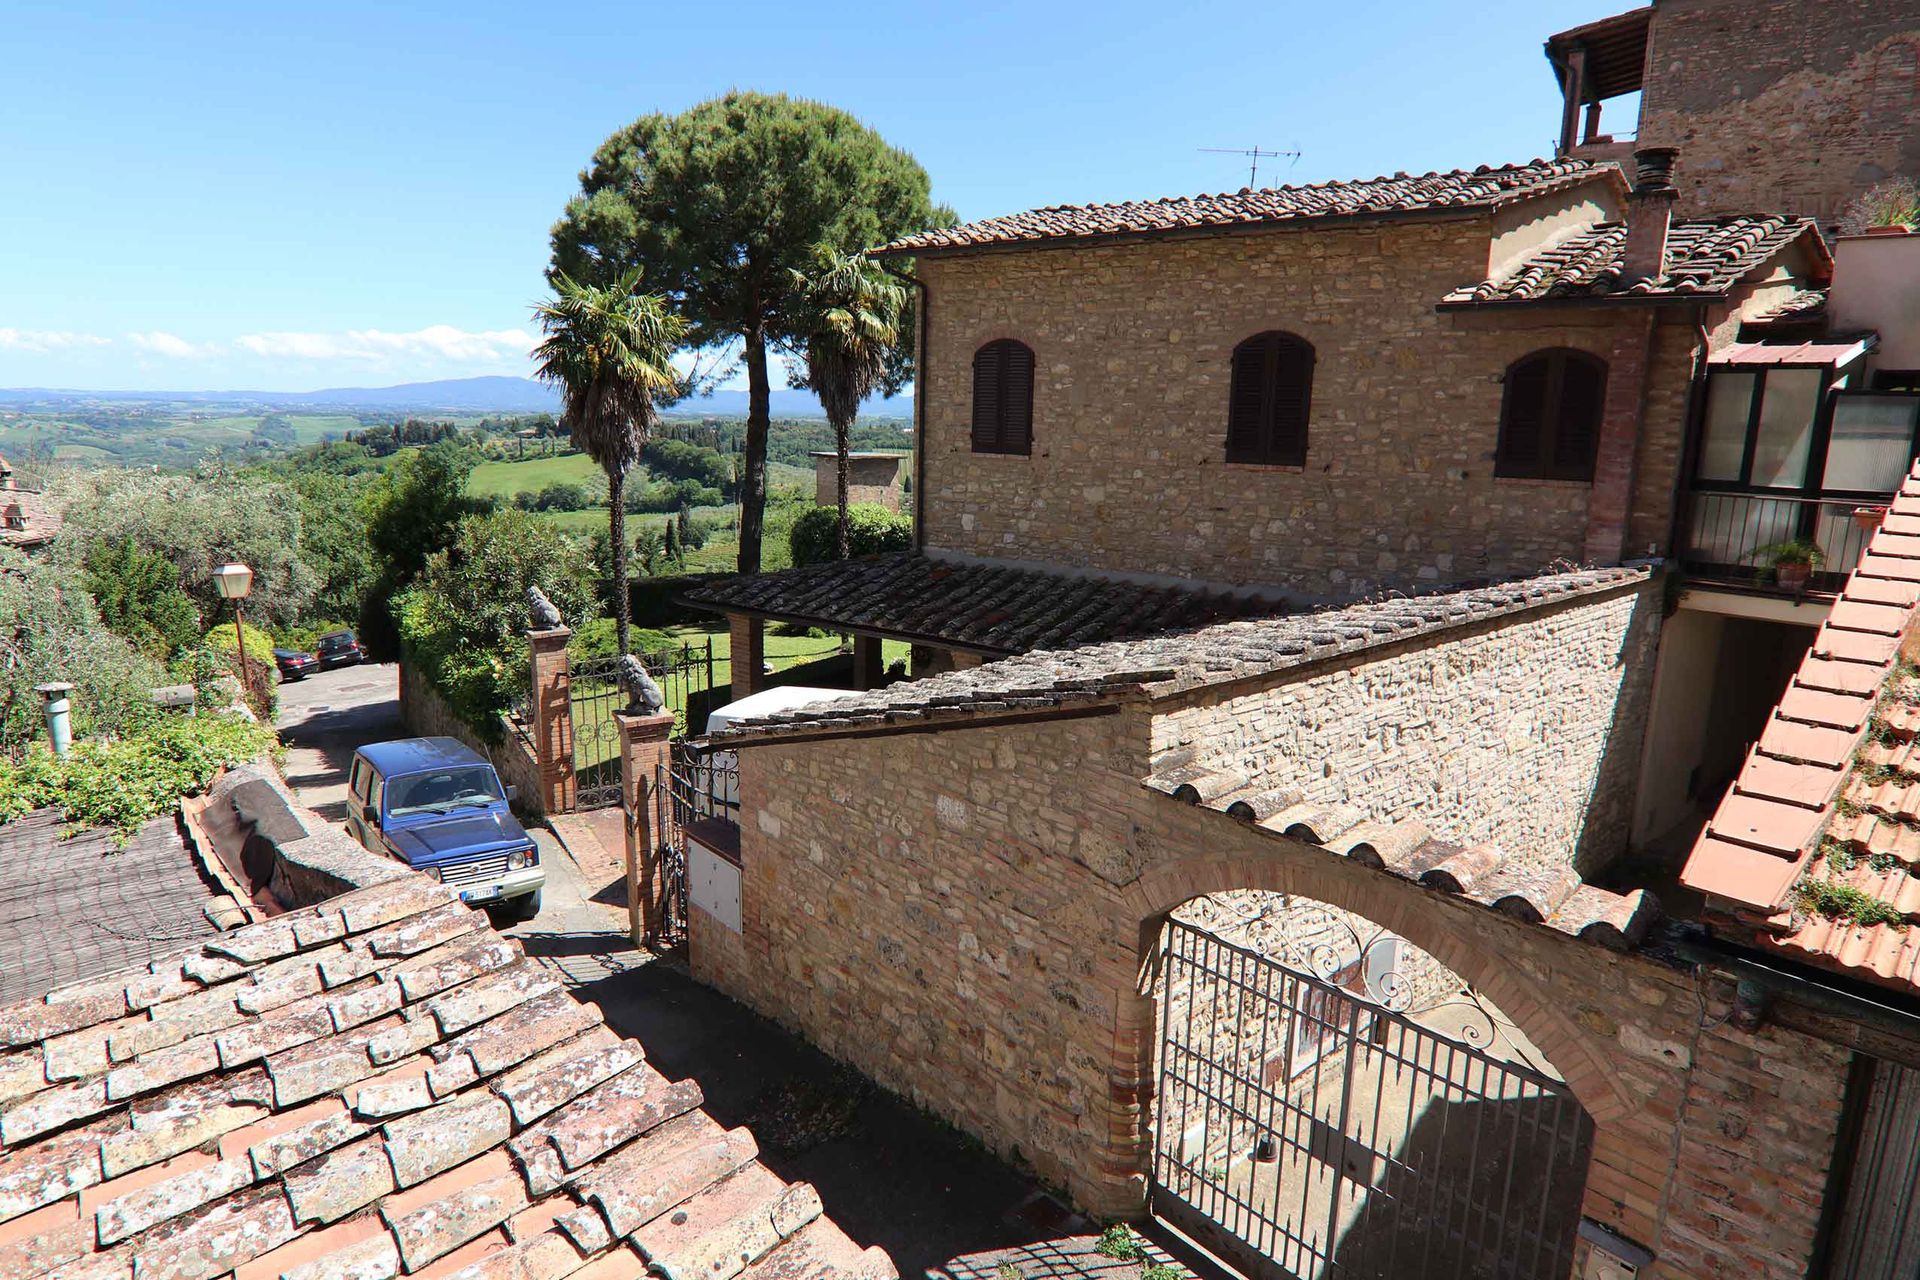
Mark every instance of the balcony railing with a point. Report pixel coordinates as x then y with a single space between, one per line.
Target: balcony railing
1733 537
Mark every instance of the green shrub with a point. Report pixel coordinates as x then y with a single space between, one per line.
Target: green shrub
872 530
260 645
139 597
122 783
53 632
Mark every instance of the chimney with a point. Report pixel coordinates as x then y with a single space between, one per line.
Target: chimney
1649 213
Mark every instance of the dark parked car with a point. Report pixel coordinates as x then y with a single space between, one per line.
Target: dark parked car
294 664
339 649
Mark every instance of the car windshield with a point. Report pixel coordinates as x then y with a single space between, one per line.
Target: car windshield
338 640
443 790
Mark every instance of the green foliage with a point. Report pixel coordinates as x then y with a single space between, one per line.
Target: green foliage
139 597
718 206
195 522
681 460
1838 901
872 531
672 495
463 624
1117 1242
54 632
559 496
413 510
1797 551
1893 203
122 783
1160 1271
334 539
220 638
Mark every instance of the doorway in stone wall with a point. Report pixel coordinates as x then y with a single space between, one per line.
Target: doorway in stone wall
1333 1104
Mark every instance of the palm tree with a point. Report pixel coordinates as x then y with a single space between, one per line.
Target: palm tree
608 349
850 316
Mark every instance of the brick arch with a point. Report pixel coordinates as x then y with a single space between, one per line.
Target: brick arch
1394 905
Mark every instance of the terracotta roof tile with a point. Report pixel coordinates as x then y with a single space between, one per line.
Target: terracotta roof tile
1704 260
1796 886
1170 662
238 1138
1391 195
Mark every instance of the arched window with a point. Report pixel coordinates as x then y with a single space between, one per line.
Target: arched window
1003 397
1268 402
1550 416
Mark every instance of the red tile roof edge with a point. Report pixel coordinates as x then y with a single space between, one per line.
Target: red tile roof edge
1764 832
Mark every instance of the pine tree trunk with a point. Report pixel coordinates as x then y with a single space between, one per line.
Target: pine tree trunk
842 432
617 531
753 481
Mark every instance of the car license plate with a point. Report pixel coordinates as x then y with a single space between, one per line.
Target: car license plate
480 895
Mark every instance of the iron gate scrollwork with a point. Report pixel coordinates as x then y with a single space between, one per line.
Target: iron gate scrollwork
1312 1125
596 693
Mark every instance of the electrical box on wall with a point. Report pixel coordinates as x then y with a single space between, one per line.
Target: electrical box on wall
713 884
1610 1255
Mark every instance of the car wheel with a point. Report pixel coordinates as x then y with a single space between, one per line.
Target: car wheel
528 907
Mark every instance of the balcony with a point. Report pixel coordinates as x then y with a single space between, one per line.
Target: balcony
1733 538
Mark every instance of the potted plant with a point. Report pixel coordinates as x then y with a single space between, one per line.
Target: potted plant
1792 562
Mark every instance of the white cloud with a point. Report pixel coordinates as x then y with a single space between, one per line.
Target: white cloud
442 341
165 344
41 341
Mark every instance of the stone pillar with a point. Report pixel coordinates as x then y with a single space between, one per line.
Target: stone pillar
644 752
748 653
869 668
1610 502
552 707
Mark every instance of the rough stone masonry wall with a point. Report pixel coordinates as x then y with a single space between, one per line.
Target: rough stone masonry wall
1793 106
962 915
1520 733
1133 347
426 714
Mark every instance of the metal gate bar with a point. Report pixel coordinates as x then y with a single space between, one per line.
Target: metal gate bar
1338 1136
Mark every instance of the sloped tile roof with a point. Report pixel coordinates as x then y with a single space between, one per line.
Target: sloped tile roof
1704 259
1064 680
1824 813
376 1086
82 905
978 605
1398 194
1552 895
42 518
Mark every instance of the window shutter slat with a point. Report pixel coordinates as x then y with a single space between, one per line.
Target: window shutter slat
1524 416
1003 397
1576 437
1269 400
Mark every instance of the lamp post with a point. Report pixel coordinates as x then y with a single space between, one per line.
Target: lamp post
234 581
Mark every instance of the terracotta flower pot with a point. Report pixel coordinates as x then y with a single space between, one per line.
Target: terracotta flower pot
1868 518
1793 577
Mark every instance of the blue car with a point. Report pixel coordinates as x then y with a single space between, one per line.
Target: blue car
437 805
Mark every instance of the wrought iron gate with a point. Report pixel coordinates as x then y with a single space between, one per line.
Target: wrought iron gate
595 694
1310 1127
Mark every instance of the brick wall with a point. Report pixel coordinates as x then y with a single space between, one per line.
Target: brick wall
1520 733
962 916
1132 348
1790 105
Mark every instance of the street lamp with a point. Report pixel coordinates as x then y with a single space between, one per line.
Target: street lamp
234 581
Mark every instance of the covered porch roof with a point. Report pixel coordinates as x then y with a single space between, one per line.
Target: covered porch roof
976 606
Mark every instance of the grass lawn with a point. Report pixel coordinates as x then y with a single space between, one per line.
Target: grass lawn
504 479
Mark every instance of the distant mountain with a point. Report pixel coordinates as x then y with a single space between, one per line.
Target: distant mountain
453 395
785 403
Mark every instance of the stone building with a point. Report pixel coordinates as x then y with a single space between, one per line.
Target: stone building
871 477
1790 105
1257 689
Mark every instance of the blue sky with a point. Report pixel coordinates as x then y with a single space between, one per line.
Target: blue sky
219 196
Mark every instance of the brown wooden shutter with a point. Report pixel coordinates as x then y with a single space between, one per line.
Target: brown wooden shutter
1269 398
1577 410
1003 397
1292 398
1523 418
987 414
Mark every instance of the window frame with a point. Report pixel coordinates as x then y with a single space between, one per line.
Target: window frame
1545 467
1832 395
1009 439
1818 440
1272 451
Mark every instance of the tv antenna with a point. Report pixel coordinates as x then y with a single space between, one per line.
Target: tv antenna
1254 156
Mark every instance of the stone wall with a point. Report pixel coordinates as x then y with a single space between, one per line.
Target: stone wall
1783 105
1523 733
965 915
1132 348
869 479
426 714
